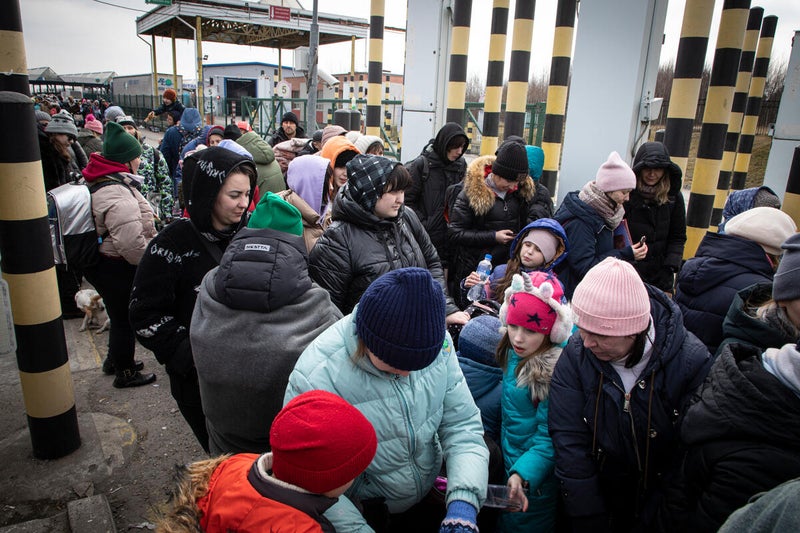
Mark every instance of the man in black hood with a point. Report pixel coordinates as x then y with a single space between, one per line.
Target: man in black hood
440 165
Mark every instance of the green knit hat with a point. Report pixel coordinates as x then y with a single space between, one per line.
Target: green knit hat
272 212
119 145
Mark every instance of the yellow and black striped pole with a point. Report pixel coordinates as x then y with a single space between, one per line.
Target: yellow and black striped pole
494 77
715 121
27 259
459 47
375 68
737 113
556 106
791 200
686 82
753 108
519 67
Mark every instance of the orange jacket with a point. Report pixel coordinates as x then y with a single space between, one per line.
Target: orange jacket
232 504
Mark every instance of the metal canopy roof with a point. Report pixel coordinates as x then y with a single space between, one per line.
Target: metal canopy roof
247 24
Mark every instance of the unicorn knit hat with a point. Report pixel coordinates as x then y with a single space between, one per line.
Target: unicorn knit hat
534 301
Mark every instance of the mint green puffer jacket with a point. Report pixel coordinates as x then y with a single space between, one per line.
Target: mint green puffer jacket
419 420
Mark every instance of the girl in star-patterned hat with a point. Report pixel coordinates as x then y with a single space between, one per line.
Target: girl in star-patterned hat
536 321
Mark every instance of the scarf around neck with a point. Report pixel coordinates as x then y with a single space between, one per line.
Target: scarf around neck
610 211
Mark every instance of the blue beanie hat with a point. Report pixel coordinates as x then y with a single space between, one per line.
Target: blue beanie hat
535 161
479 338
401 318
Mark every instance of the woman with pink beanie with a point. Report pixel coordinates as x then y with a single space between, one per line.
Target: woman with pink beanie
617 396
590 216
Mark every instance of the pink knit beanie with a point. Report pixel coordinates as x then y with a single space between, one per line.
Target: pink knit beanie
612 300
615 175
93 124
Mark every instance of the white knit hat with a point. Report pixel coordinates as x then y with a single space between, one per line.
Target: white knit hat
766 226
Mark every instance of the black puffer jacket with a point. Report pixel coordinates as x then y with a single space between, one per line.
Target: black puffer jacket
742 434
427 195
169 274
478 213
358 247
707 283
664 225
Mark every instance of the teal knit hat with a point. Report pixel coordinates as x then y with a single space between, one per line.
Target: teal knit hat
535 161
272 212
119 145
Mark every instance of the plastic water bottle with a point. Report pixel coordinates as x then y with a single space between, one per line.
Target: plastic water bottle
476 292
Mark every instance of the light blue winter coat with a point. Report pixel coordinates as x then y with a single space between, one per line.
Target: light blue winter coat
527 448
420 420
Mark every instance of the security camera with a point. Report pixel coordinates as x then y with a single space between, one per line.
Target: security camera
327 78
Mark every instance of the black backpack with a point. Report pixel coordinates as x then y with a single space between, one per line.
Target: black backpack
73 234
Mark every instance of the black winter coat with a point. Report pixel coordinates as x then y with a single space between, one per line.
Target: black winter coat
663 225
478 213
427 193
169 274
590 241
610 457
742 434
741 326
707 283
359 247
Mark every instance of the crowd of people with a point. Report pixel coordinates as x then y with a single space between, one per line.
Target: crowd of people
312 303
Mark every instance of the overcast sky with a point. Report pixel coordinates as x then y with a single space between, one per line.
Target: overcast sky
72 36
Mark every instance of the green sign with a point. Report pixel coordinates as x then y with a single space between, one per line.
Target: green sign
159 2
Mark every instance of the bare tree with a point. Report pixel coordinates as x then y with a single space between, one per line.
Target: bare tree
776 75
537 87
666 72
475 88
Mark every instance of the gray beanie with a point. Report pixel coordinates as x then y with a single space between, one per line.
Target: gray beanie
62 123
41 115
113 112
786 283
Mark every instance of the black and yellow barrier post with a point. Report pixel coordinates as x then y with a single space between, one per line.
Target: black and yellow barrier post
715 121
375 68
27 258
494 77
519 66
686 82
459 47
737 114
754 96
791 200
556 107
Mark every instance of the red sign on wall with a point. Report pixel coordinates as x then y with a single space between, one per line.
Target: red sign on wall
280 13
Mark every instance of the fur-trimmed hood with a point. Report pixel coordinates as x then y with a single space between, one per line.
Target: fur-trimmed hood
536 373
480 196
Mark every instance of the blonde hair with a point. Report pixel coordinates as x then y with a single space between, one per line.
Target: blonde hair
661 188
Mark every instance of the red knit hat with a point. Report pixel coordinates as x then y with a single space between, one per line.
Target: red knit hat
320 442
612 300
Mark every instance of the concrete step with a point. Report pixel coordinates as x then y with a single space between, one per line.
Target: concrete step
87 515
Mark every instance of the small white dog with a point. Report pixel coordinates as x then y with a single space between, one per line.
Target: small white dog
94 310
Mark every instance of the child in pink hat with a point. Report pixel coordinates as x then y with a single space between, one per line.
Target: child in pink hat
535 323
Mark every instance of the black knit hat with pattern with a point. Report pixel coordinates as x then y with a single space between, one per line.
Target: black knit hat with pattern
511 162
366 178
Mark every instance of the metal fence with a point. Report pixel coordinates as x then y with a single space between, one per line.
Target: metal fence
264 114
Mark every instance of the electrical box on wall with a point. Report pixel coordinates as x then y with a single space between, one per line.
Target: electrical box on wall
650 109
